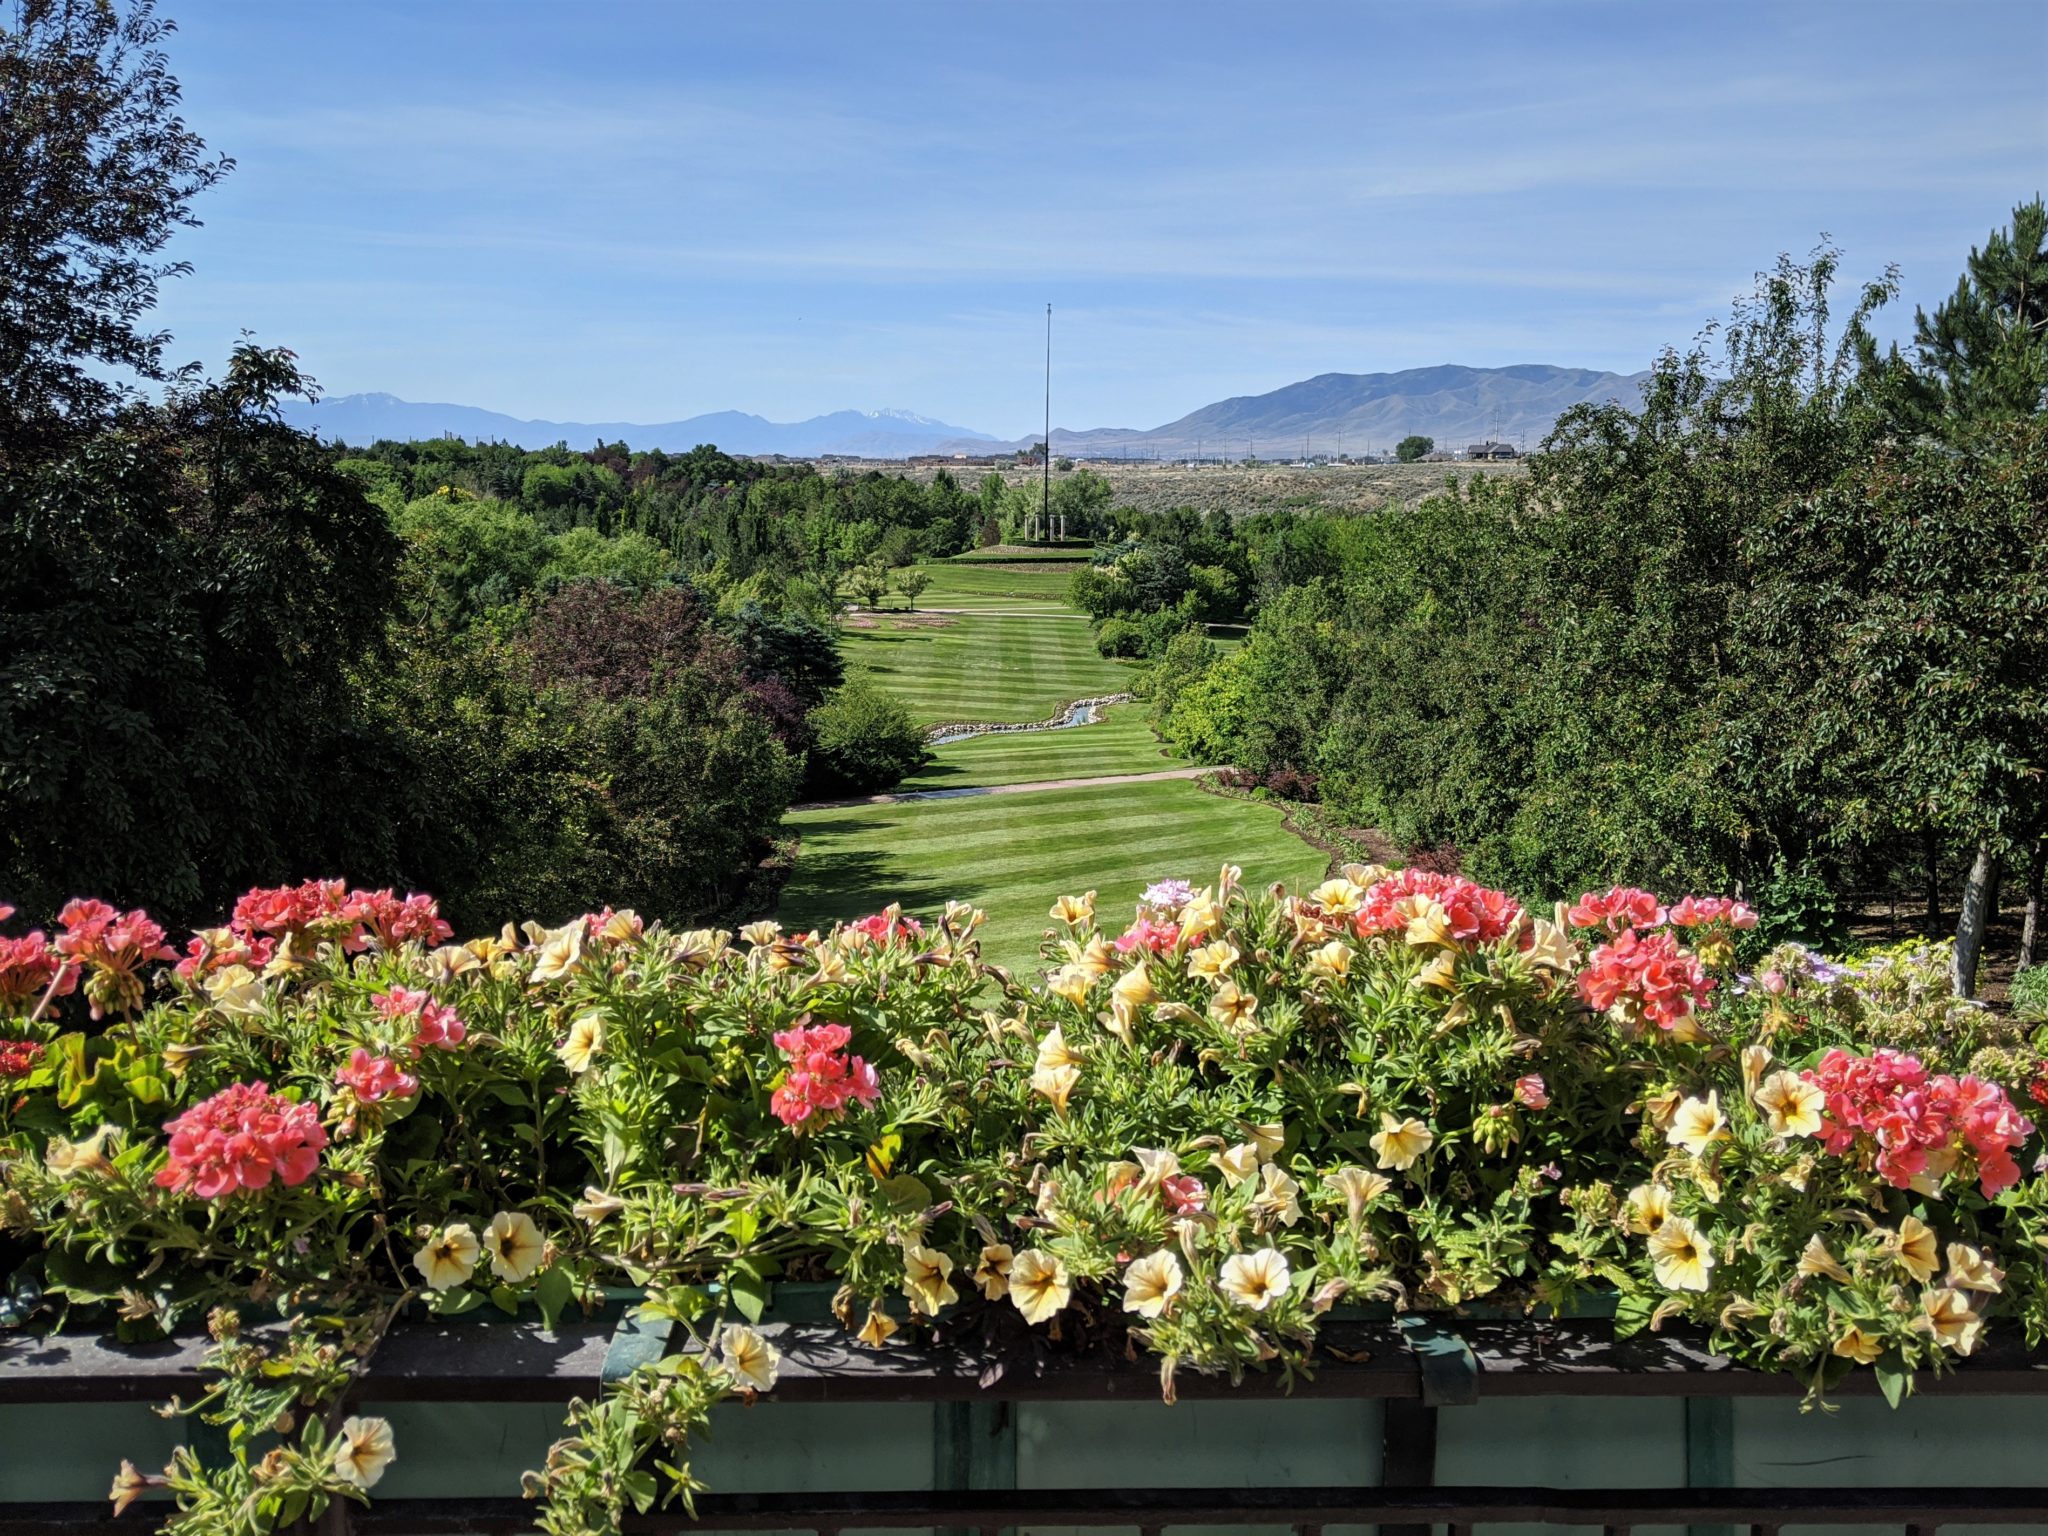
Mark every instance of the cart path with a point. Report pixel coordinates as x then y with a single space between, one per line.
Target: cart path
1009 789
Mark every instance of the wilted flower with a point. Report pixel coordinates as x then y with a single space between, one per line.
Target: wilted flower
596 1205
992 1271
1815 1259
878 1329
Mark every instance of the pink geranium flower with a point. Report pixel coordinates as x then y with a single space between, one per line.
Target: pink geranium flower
1649 978
242 1138
1478 914
434 1023
1617 910
113 946
371 1078
821 1079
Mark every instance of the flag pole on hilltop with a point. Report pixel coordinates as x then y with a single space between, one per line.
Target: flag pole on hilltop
1045 496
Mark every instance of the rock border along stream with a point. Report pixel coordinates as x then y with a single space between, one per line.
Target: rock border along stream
1080 712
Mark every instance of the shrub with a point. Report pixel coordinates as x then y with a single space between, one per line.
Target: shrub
2030 994
1119 638
862 740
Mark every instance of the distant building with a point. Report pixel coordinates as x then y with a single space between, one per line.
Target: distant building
1491 450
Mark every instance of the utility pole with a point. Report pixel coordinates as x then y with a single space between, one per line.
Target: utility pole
1045 497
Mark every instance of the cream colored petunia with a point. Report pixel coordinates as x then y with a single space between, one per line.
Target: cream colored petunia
1359 1187
1237 1164
1134 988
1854 1344
1791 1104
1428 923
1234 1008
1400 1142
1338 897
1096 960
1330 962
1646 1209
1053 1051
1698 1124
68 1159
515 1245
1256 1280
992 1271
1913 1248
237 992
1815 1259
362 1451
1151 1283
751 1358
1200 917
557 950
1155 1167
1551 946
1680 1255
585 1043
878 1329
1072 983
1213 961
927 1279
1754 1059
761 933
449 1257
831 969
1074 910
1057 1084
1269 1138
1952 1319
1442 971
1277 1199
1970 1270
1038 1285
596 1205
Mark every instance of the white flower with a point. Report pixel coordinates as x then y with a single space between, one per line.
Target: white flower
514 1244
750 1357
1256 1280
1038 1285
1276 1200
596 1205
1151 1283
448 1257
363 1450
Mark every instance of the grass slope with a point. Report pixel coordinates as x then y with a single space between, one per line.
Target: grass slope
1005 584
974 667
1013 854
1120 742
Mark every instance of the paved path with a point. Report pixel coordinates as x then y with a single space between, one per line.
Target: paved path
1005 789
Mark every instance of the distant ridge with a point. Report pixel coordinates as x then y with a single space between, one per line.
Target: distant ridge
360 420
1455 405
1354 412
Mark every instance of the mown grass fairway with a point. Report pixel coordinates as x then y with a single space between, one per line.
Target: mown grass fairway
974 667
991 584
1120 742
1013 854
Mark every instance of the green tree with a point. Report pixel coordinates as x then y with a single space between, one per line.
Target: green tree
911 582
1411 449
863 739
869 585
97 173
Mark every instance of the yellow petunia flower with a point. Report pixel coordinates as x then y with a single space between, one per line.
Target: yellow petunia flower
585 1043
1970 1270
1277 1199
1698 1124
1212 961
515 1245
1074 910
1338 897
1239 1163
1647 1208
1913 1248
1234 1008
362 1451
878 1329
1952 1319
1151 1283
992 1271
1359 1187
1815 1259
1791 1104
751 1358
1256 1280
1680 1255
1400 1142
448 1257
1134 988
927 1279
1854 1344
1038 1285
1331 961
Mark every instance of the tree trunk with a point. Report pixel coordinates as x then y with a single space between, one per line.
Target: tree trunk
1930 846
2030 926
1970 924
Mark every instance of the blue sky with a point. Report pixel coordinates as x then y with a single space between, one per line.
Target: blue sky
604 210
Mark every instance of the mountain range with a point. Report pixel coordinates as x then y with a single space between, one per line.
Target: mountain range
1332 412
362 419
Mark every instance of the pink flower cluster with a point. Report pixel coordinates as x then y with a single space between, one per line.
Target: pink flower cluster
1711 911
1148 933
1617 910
880 928
1478 913
113 946
18 1058
1650 978
1912 1123
821 1077
242 1138
1532 1092
328 910
371 1078
1183 1193
27 967
434 1023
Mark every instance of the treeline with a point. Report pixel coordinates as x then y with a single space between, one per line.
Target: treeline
1784 626
233 656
